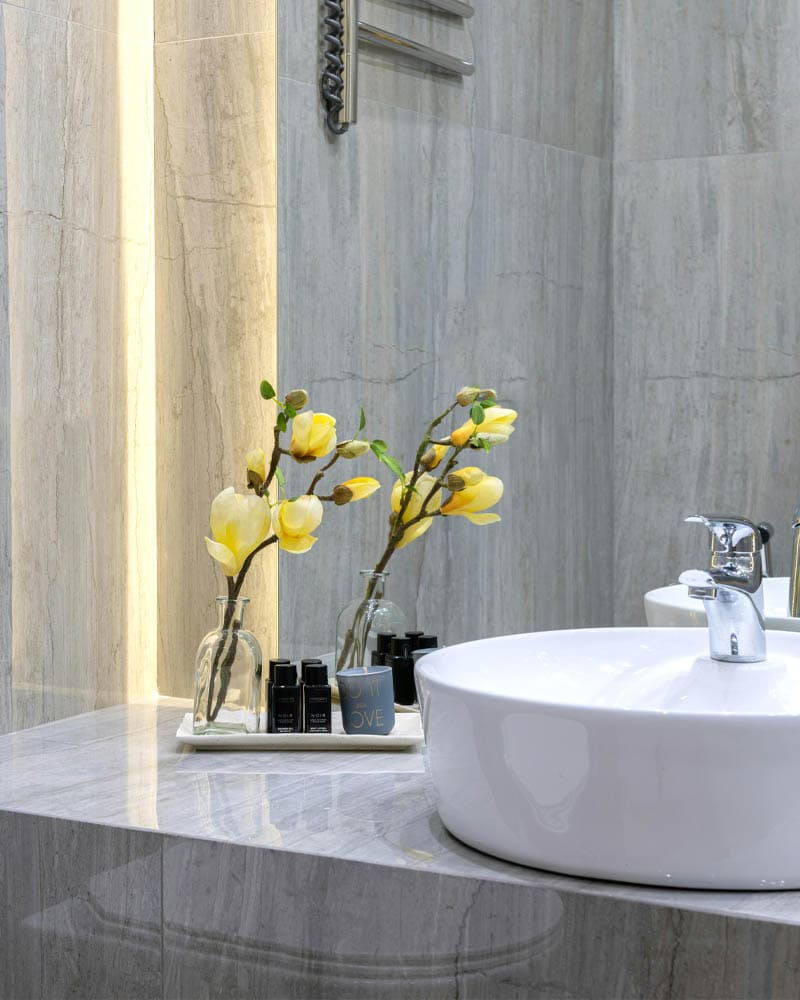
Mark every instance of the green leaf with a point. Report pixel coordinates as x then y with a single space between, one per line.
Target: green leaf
394 465
362 421
290 411
379 447
486 445
267 392
476 413
281 422
487 404
281 479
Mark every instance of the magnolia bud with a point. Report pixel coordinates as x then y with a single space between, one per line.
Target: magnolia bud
467 395
254 480
487 394
352 448
455 483
297 399
342 495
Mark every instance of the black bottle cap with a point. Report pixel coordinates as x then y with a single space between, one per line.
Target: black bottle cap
285 675
315 674
384 641
414 633
309 662
427 642
273 664
399 646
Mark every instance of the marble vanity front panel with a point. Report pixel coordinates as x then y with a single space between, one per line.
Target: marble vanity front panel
156 871
81 910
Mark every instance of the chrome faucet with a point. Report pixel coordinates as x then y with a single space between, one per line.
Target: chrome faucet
730 589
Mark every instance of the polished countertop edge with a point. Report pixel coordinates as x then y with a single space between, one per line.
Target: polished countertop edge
421 824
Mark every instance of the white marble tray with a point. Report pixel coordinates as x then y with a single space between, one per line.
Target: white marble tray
407 732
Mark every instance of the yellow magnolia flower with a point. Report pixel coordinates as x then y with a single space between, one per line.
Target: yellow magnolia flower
294 520
496 427
355 489
433 456
256 467
478 492
424 485
313 435
239 525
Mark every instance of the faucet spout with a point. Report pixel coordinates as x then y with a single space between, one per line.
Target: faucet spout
730 589
735 623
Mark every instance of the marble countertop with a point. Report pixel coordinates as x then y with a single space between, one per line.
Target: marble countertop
123 767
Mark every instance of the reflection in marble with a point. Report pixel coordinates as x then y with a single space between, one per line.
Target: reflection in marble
701 79
81 910
77 185
266 890
543 70
707 309
215 307
504 281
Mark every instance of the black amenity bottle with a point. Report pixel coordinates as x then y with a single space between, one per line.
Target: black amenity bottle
316 699
286 700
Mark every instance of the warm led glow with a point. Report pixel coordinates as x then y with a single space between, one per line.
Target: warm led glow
137 308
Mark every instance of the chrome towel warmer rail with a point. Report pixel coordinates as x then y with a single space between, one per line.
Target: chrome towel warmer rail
343 34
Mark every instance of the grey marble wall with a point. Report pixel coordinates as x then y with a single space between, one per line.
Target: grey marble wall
75 352
215 215
706 296
459 232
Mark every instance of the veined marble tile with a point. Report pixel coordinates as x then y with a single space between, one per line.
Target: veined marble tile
177 20
215 304
484 258
82 910
6 704
698 79
707 308
128 18
543 67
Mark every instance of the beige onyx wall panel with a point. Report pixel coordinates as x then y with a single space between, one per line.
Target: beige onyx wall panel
79 314
215 312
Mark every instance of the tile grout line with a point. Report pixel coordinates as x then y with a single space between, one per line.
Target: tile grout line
10 5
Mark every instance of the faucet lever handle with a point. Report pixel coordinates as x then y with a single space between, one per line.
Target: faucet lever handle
735 550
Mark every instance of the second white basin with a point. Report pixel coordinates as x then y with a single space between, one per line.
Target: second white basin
620 754
673 606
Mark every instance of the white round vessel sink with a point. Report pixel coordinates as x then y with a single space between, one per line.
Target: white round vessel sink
621 754
673 606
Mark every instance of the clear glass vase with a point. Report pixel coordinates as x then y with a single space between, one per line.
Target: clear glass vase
227 686
359 623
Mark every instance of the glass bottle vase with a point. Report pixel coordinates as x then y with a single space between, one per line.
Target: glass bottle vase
227 686
359 623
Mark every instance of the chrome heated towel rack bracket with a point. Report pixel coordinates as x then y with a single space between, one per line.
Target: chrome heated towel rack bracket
343 32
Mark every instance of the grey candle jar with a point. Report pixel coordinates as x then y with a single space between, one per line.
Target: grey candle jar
366 695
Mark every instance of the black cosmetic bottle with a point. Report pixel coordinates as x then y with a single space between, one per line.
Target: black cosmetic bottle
402 666
316 699
270 681
380 655
286 700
